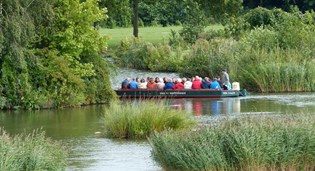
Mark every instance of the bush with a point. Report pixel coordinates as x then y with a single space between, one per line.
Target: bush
249 143
139 120
30 152
208 58
138 54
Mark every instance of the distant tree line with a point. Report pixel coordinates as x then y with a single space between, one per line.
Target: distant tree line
175 12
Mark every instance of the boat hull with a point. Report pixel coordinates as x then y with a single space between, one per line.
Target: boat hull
156 93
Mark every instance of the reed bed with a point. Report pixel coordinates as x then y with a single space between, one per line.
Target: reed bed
138 120
276 71
30 152
250 143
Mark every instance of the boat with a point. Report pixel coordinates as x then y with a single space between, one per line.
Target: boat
185 93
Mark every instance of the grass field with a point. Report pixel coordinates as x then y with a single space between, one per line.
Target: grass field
151 34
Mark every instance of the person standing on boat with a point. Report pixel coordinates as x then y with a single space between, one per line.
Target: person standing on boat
133 84
225 80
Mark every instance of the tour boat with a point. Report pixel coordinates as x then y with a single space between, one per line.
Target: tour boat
185 93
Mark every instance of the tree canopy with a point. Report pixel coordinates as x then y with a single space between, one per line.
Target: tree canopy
50 54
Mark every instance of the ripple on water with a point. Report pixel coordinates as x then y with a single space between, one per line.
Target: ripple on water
104 154
293 99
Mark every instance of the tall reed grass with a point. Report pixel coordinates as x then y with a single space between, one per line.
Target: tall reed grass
276 71
141 119
30 152
250 143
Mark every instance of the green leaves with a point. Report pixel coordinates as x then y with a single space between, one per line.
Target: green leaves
49 49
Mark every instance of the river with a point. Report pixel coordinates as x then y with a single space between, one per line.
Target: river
76 127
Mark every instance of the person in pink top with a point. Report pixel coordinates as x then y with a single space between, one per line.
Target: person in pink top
196 84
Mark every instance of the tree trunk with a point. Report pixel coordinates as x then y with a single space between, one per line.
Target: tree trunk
135 19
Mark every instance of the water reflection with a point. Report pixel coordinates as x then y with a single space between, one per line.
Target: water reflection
213 107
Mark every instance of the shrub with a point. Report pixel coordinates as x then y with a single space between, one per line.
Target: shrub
249 143
138 54
208 58
139 120
30 152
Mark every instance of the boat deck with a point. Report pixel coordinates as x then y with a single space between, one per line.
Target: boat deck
185 93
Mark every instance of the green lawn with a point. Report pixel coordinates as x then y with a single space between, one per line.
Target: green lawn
150 34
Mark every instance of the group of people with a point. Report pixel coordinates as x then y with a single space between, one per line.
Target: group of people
179 83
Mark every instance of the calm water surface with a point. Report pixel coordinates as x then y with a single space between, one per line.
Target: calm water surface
76 127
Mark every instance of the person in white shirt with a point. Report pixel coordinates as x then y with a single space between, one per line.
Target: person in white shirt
160 84
188 84
143 84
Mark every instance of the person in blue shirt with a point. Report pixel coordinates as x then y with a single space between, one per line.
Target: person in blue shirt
133 84
205 84
169 84
125 84
215 84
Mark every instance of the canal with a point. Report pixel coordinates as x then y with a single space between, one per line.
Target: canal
76 127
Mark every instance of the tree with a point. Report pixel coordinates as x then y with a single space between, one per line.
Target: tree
135 18
50 54
119 13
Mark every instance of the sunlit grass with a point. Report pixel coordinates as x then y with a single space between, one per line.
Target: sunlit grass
30 152
141 119
250 143
154 35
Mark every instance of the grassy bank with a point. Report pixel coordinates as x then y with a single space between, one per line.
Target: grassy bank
154 35
141 119
251 143
30 152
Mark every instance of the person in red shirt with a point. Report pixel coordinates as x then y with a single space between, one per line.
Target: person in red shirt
196 84
178 84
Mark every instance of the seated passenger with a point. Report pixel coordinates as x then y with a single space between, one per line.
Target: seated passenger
160 84
169 84
215 85
184 80
205 83
151 84
133 84
196 84
178 84
125 84
219 81
142 84
188 84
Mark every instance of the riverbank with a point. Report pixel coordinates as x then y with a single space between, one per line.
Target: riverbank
75 127
268 142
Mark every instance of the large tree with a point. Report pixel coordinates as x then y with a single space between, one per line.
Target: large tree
50 54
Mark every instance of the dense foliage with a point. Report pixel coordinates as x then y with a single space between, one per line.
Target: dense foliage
265 50
250 143
50 54
174 12
30 152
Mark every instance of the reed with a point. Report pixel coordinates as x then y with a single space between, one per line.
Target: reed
250 143
276 71
141 119
30 152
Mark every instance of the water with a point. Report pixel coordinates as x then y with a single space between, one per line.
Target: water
76 127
